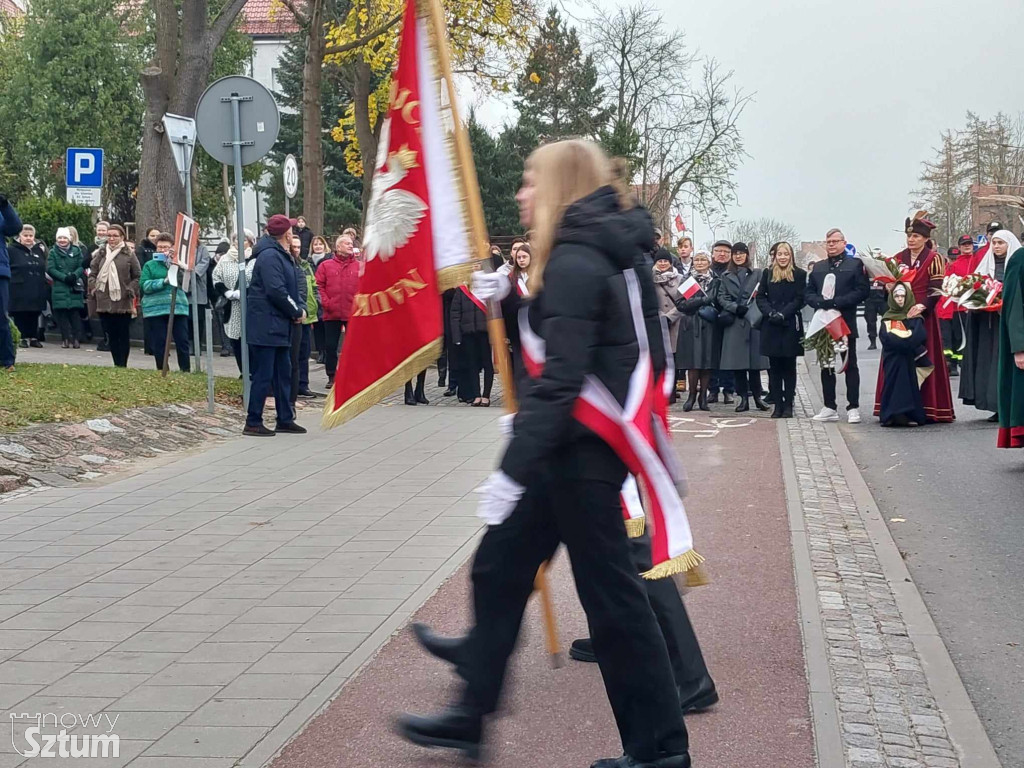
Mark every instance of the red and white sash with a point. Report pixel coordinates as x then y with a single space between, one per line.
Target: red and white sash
637 434
521 288
474 298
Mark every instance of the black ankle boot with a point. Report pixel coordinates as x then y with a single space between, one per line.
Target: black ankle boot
759 403
744 404
690 400
456 728
410 398
419 396
702 402
727 399
778 411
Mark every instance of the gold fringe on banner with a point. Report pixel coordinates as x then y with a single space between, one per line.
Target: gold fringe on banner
373 394
697 577
678 564
455 275
635 527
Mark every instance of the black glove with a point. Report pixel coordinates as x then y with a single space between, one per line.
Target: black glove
828 304
741 310
777 318
70 278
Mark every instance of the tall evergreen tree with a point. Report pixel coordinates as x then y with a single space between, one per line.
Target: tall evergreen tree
558 91
499 168
343 191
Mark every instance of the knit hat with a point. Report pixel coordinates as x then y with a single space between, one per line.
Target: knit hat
278 224
64 232
740 248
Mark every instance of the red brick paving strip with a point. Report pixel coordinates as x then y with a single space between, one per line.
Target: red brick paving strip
746 619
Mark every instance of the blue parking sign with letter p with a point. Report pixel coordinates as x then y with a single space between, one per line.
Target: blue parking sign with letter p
84 167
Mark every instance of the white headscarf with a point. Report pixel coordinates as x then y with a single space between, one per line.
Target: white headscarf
987 266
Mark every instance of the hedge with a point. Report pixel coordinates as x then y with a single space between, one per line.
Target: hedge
47 214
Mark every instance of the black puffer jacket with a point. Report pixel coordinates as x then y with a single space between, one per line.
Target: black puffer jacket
584 317
466 316
640 230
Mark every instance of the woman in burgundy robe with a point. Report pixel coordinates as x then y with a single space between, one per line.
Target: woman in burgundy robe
929 269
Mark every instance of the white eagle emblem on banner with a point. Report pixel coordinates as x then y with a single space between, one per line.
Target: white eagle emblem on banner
394 214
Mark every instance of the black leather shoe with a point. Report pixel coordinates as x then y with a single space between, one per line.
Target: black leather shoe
698 696
744 405
455 728
702 402
872 345
727 399
258 431
666 761
410 398
292 427
440 381
449 393
712 397
445 648
778 412
759 403
688 405
583 650
787 412
306 394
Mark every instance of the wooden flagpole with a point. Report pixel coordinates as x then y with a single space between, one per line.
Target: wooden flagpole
478 237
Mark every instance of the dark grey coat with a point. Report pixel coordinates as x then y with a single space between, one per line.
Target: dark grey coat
741 344
696 347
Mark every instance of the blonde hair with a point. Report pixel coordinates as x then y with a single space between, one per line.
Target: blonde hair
563 172
780 274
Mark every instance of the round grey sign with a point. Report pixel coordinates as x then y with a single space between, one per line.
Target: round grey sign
291 176
259 119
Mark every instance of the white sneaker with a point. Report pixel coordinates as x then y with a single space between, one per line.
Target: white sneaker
827 414
853 415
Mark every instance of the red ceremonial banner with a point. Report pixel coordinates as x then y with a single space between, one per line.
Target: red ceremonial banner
395 327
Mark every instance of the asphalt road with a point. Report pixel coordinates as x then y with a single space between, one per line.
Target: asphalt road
955 507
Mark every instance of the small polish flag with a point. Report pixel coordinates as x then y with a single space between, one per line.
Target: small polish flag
689 288
680 224
838 328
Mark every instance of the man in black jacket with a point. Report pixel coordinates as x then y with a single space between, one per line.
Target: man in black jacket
272 307
847 287
721 256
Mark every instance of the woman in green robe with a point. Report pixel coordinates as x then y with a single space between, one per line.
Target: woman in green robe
1011 355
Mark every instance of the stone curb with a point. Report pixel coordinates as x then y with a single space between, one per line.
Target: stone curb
963 726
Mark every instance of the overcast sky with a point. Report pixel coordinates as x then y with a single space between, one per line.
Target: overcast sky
850 98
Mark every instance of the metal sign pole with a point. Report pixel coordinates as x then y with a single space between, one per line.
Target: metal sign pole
236 126
186 178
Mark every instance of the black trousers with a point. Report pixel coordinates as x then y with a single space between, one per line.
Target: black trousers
586 515
6 338
475 355
874 307
155 329
70 323
28 324
270 368
747 383
828 382
782 380
300 359
447 363
318 336
334 337
953 337
115 327
236 349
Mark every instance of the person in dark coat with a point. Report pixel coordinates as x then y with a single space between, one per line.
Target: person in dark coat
10 225
305 235
850 287
560 482
1011 355
695 352
980 376
780 299
448 362
904 360
741 342
28 285
469 335
67 299
721 258
272 308
145 250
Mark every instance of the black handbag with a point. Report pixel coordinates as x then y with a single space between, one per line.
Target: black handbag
708 314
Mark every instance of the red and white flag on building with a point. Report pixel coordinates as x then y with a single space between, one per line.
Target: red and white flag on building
689 288
679 224
416 242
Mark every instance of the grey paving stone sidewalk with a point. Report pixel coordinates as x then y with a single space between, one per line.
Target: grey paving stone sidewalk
888 714
224 597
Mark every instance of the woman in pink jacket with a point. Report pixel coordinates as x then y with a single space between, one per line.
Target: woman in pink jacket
337 279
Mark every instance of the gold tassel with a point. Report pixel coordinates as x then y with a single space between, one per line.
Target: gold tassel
678 564
635 527
697 577
455 275
378 390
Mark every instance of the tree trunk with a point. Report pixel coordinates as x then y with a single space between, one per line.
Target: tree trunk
312 120
365 133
